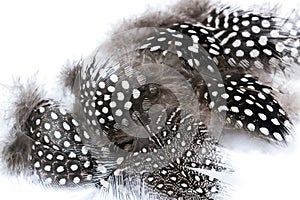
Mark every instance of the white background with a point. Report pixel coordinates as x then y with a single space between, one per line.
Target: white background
45 35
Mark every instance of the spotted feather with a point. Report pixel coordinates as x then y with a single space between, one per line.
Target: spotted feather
252 106
58 153
240 89
142 109
252 41
169 170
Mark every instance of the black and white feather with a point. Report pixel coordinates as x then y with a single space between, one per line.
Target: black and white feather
151 104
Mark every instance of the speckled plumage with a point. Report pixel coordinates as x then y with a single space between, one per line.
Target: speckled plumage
143 107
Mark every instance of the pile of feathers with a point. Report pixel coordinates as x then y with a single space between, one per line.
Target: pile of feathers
165 108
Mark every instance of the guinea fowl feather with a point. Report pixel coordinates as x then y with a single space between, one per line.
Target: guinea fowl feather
151 104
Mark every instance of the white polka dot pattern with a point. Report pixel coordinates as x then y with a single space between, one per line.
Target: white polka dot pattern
58 154
216 57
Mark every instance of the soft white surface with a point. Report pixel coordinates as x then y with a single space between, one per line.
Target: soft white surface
43 35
